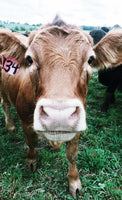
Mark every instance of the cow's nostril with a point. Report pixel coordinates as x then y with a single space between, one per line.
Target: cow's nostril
76 113
43 113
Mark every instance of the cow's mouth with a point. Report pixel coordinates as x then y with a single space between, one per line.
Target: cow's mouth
59 136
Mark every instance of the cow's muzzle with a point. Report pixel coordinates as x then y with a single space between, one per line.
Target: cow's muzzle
59 116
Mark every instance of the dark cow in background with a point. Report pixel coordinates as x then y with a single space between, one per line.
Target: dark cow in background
104 28
97 35
46 78
112 77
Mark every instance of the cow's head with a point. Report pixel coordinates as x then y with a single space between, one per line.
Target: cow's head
58 59
60 72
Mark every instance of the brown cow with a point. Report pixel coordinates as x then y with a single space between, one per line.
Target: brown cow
49 91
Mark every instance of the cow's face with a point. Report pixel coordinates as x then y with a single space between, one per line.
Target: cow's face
60 73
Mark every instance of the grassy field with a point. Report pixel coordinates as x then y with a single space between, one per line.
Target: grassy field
98 158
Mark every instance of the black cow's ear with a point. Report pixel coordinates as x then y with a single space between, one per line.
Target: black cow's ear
90 60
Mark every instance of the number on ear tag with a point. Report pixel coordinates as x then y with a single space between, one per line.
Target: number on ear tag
10 65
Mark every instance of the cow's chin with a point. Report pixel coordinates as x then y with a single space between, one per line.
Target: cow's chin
57 136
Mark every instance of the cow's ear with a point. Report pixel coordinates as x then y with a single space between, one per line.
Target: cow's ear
12 45
108 52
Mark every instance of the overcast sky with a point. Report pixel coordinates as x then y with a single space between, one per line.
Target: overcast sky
79 12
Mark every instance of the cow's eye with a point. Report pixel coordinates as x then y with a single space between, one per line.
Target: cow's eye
90 59
29 59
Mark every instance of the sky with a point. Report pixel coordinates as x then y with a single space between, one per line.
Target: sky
78 12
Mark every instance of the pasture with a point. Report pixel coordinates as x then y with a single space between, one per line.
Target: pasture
98 160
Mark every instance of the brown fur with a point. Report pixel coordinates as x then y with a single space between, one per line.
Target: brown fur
60 70
109 50
11 45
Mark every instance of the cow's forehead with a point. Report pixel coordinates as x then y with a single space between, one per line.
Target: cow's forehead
69 33
61 42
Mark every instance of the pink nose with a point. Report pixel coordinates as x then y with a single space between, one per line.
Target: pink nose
59 115
59 118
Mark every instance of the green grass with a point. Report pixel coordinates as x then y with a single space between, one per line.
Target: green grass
98 160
